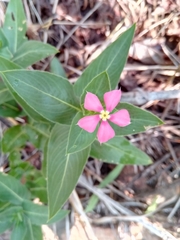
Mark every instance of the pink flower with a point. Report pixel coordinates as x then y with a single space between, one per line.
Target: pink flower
105 131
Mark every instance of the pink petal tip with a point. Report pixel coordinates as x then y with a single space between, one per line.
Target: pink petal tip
121 118
89 123
112 99
105 132
92 103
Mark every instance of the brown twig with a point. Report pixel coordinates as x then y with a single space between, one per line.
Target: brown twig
140 97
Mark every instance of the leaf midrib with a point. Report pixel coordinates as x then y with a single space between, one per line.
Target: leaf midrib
26 53
3 90
14 139
122 45
62 181
39 131
35 213
12 192
43 93
116 148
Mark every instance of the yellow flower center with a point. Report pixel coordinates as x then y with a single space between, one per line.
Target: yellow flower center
104 115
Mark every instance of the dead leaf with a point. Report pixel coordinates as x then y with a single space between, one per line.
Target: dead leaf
147 52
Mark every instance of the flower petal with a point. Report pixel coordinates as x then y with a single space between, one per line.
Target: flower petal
120 118
92 103
112 99
105 132
89 123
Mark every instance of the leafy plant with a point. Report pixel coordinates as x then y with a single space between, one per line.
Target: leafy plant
52 109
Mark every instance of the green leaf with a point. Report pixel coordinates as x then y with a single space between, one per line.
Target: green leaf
13 138
14 158
14 27
4 93
26 108
42 128
37 184
63 170
10 109
3 206
99 85
19 231
49 95
108 179
3 40
111 60
39 192
33 232
57 68
79 139
6 64
119 150
44 162
37 136
38 214
12 190
5 52
4 225
11 213
141 120
31 52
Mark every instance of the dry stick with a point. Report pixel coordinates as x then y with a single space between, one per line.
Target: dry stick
28 15
106 199
54 6
142 220
113 189
87 24
75 202
138 67
35 12
72 31
175 59
173 154
141 97
174 210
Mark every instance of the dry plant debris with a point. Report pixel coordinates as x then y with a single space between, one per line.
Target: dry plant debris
81 29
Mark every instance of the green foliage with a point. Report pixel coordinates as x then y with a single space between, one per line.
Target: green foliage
12 190
111 60
19 231
3 40
119 150
51 108
13 138
33 232
62 168
6 64
99 85
78 139
51 96
5 95
4 225
17 210
10 108
56 68
38 214
141 120
31 52
14 27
